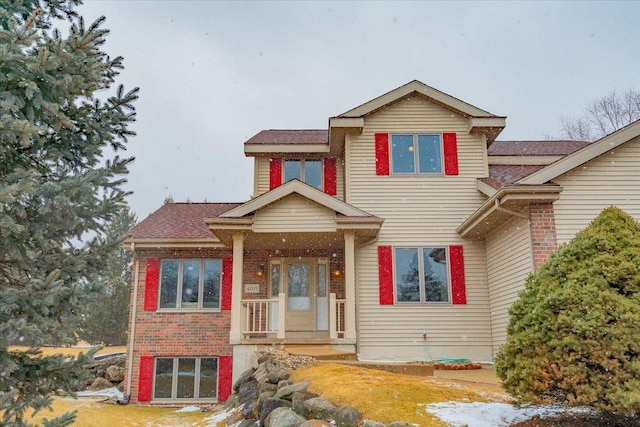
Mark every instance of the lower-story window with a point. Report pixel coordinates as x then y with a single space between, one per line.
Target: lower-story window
185 378
421 275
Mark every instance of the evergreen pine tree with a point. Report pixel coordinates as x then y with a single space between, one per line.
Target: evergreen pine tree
105 320
59 121
573 336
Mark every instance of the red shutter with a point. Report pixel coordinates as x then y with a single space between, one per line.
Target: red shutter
151 284
382 154
330 176
456 266
275 173
227 280
225 373
145 381
450 148
385 274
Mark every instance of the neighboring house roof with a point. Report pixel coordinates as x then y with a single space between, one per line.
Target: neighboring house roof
290 136
580 157
535 148
501 175
181 221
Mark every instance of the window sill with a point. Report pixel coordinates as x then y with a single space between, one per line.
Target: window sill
188 310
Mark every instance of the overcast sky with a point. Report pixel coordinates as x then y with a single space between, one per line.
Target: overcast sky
213 74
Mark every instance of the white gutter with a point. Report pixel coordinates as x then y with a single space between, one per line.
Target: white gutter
132 332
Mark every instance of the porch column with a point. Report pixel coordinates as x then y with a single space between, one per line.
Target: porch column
236 289
350 284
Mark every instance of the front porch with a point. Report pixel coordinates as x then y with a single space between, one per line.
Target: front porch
293 271
264 321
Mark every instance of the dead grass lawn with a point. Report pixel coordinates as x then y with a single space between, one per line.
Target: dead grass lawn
94 413
70 351
384 396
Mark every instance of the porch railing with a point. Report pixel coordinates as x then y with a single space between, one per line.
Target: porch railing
267 316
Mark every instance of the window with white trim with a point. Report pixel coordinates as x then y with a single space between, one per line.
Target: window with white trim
185 378
190 283
421 274
308 171
416 153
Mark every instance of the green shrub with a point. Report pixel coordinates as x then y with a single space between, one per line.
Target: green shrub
574 334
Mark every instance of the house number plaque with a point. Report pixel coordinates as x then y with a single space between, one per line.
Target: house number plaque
251 288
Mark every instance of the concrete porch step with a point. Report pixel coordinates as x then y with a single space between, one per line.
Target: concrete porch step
320 352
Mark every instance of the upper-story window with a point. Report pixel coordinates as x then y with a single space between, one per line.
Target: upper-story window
308 171
416 153
190 283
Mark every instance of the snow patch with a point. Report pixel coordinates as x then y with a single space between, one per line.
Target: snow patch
107 392
189 409
494 414
214 419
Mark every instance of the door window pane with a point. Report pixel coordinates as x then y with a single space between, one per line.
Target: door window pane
211 287
208 377
313 173
430 158
186 378
407 274
402 153
163 379
298 287
190 283
435 274
292 170
322 280
275 280
169 284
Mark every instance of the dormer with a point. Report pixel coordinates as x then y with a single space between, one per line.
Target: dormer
284 155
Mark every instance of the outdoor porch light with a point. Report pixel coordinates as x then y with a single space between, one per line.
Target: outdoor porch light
261 270
336 266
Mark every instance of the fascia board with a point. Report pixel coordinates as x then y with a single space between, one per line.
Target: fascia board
584 155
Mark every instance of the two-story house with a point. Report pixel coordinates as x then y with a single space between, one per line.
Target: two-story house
404 219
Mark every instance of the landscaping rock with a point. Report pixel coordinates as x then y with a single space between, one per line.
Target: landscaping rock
298 399
276 376
316 423
269 405
399 424
348 416
235 417
264 387
100 384
246 376
261 374
319 408
371 423
247 423
284 417
284 383
286 392
114 373
120 387
248 391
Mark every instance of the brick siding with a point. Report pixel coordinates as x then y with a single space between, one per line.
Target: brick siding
542 225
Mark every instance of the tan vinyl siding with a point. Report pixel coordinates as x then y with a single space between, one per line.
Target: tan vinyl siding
508 264
420 210
261 178
610 179
294 214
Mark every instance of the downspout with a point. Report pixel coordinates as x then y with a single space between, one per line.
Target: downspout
507 211
132 331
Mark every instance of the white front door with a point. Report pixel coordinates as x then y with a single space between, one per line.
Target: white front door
300 291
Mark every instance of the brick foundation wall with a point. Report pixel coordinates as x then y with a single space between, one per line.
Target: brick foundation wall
542 226
199 334
188 333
